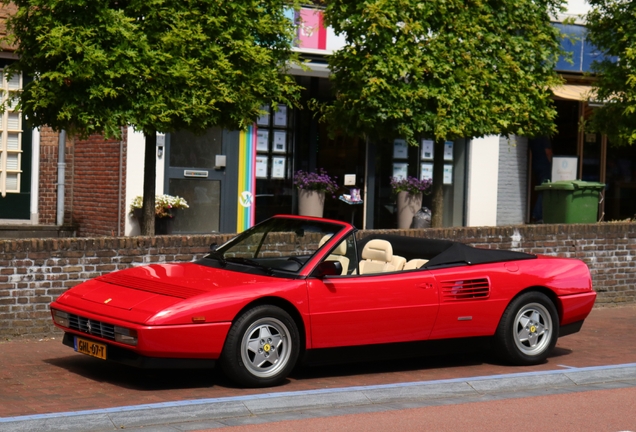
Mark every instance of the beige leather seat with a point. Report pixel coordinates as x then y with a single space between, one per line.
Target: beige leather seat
398 262
338 254
415 264
376 257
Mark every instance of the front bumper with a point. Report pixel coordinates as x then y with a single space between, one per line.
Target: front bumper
130 358
187 341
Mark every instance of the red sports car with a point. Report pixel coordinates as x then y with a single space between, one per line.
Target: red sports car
294 287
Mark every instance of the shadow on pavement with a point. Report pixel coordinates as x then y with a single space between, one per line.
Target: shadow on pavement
133 378
176 379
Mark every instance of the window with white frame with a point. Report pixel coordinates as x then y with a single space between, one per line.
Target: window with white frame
10 137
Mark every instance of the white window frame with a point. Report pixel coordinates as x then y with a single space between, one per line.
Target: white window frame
15 152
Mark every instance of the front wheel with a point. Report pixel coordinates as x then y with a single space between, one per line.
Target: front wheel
261 347
528 330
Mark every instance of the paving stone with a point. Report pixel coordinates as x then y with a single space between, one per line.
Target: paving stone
43 376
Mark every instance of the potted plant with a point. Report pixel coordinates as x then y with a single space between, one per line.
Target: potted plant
165 211
312 187
409 193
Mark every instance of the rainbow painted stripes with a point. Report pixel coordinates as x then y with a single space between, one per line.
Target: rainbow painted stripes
246 179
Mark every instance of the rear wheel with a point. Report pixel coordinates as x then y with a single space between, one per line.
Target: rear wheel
261 347
528 330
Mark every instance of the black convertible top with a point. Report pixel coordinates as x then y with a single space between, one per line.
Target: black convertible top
443 253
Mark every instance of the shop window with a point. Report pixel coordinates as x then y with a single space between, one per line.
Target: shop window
274 150
591 166
10 138
195 150
620 181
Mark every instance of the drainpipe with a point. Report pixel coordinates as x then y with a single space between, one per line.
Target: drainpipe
61 174
121 168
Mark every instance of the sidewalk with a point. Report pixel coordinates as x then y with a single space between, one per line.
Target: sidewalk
39 377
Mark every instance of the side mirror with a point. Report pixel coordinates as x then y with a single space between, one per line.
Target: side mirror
328 268
213 247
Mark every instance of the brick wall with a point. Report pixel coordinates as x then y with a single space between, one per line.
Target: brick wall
34 272
47 207
6 10
92 183
95 204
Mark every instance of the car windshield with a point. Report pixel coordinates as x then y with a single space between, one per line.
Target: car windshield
276 244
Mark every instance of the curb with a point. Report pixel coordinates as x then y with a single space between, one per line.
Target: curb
219 412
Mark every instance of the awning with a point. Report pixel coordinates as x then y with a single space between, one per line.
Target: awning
573 92
314 69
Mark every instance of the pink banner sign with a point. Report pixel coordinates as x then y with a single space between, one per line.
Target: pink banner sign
311 29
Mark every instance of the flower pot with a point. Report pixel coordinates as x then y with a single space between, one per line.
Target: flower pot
310 203
164 225
407 205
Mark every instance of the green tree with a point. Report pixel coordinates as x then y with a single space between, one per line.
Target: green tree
443 69
158 65
611 26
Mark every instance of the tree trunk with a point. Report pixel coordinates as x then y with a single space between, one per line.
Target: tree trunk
150 177
437 216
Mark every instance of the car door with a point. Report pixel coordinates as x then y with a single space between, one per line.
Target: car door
372 309
469 303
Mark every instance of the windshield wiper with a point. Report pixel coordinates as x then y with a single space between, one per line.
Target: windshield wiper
250 262
217 256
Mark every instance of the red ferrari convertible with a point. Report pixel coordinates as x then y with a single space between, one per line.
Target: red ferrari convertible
295 286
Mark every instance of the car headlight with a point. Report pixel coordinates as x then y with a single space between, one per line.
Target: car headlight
60 318
125 335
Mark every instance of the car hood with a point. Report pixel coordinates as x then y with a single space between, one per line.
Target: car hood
140 293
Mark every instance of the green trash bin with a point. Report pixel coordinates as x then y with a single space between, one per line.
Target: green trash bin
570 201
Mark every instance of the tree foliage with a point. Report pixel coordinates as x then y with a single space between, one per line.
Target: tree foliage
443 69
158 65
611 27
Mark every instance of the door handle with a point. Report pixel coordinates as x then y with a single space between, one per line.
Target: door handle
425 285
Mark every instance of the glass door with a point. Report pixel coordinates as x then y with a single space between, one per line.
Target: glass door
192 173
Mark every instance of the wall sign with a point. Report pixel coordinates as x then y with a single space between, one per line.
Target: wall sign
400 149
262 140
427 149
261 166
448 174
448 151
278 167
400 170
564 168
280 142
280 116
195 173
427 171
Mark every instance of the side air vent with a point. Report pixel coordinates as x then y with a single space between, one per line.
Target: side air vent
151 286
462 290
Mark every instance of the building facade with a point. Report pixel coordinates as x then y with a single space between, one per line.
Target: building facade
233 179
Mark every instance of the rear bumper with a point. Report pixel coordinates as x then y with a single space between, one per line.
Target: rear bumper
576 307
130 358
571 328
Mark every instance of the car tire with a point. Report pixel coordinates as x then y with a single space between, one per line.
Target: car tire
261 347
528 329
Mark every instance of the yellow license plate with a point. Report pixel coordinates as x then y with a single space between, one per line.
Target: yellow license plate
93 349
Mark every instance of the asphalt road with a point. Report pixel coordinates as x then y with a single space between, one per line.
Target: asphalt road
598 411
